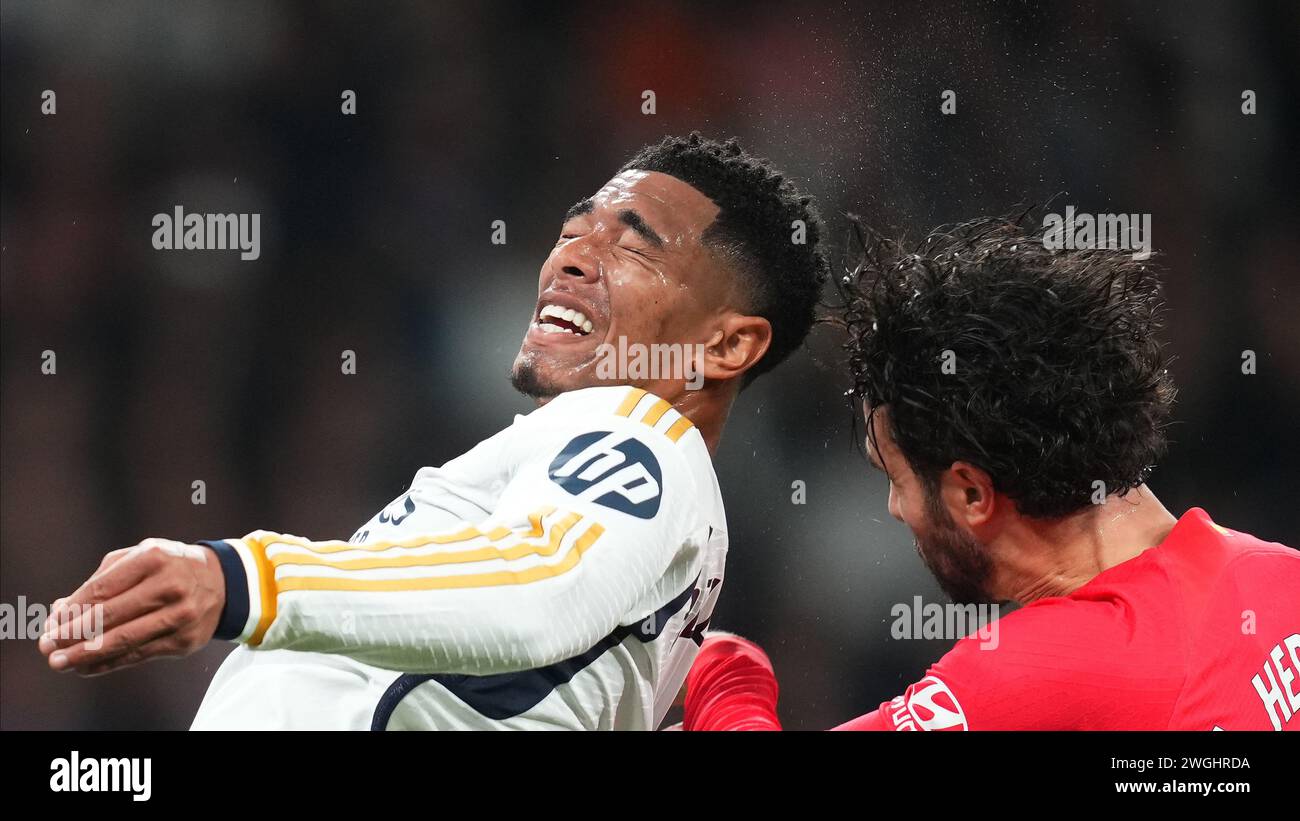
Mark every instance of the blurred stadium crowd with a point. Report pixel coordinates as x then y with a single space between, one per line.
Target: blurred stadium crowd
174 367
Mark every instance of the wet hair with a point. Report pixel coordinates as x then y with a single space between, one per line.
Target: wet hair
1057 379
753 232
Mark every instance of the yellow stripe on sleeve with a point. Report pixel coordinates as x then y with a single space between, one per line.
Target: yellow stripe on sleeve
536 518
497 579
266 589
466 535
482 554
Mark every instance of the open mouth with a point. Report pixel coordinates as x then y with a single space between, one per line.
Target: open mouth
556 319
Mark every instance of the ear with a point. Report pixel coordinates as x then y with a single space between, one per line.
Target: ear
967 492
736 346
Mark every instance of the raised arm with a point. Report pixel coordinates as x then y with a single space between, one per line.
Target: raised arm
591 518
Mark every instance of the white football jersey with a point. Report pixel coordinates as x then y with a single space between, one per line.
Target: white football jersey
558 575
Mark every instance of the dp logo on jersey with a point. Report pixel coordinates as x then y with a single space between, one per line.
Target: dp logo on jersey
623 475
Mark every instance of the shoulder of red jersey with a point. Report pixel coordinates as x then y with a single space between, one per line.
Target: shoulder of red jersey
1055 664
1114 654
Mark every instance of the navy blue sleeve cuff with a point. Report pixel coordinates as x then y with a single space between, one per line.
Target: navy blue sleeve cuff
234 615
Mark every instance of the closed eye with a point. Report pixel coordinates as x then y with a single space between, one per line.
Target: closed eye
633 246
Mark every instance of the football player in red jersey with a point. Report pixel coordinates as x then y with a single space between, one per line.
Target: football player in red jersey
1015 398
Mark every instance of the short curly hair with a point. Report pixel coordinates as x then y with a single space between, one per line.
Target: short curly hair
1055 381
753 232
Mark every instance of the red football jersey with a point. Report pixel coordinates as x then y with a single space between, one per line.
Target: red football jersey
1200 632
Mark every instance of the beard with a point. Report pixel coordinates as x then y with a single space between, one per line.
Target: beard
526 378
958 563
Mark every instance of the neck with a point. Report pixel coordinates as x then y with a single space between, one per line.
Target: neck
1040 558
706 408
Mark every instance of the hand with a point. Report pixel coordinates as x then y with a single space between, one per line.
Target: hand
731 686
158 599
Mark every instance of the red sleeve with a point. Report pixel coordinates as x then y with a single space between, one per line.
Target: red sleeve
976 685
927 705
731 686
1059 666
872 721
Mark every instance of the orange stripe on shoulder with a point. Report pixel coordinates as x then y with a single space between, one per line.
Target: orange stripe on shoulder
678 429
630 402
656 412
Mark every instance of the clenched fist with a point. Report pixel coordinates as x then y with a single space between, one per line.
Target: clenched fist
158 599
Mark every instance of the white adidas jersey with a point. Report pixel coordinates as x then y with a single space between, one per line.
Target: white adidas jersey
558 575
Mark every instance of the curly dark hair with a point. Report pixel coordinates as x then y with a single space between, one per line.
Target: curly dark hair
752 232
1059 380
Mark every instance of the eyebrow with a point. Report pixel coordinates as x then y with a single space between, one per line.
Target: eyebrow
637 223
579 208
629 217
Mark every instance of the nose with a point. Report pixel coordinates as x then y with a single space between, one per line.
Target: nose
577 259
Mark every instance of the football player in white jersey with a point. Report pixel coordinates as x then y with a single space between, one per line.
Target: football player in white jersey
559 574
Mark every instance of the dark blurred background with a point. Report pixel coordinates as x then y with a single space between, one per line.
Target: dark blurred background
183 366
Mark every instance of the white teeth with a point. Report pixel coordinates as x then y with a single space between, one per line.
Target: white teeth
577 318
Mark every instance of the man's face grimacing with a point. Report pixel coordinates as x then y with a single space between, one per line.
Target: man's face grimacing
630 262
958 561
